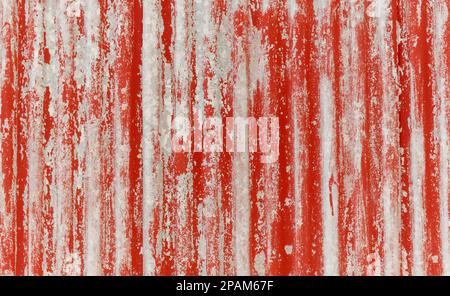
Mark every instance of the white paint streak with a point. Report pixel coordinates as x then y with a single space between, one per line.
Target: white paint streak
152 178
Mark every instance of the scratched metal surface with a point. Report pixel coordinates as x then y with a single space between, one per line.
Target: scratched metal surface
361 91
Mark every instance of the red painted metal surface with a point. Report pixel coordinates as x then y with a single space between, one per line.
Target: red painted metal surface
90 183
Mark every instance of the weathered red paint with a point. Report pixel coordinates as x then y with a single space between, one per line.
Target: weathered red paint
360 89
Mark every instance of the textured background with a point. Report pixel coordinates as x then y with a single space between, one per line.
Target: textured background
87 92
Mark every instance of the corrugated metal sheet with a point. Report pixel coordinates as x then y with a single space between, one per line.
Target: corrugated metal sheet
88 91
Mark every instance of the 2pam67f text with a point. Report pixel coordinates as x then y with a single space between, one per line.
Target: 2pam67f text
246 285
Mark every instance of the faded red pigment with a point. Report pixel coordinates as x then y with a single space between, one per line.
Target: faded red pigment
360 90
